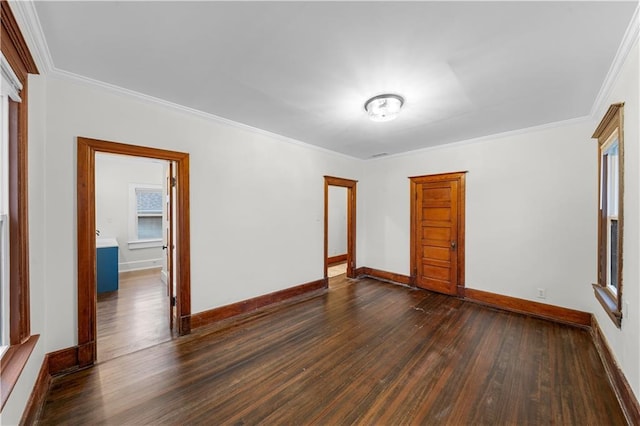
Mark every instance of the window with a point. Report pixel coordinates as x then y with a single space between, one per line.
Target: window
15 64
10 88
149 213
608 289
4 204
146 222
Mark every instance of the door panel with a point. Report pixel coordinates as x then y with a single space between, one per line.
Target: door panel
437 272
439 253
435 223
436 214
438 194
437 234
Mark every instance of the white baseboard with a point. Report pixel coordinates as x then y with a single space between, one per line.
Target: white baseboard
138 265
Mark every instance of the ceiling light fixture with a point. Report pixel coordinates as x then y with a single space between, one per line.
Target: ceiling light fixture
384 107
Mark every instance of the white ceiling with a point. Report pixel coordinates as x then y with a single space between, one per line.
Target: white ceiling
304 69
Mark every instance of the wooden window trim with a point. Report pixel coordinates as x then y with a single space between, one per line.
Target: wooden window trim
17 53
612 303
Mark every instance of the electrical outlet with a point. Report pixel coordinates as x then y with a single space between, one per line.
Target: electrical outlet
542 293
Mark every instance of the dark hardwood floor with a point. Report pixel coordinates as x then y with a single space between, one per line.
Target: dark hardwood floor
134 317
364 352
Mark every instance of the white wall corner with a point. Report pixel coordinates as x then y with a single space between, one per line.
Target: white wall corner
628 41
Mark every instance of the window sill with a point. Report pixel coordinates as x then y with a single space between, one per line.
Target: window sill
12 364
143 244
609 303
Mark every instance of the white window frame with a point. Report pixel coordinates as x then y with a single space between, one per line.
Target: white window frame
612 199
4 280
134 242
10 87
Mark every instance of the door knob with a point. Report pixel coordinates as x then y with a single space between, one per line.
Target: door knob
453 245
163 247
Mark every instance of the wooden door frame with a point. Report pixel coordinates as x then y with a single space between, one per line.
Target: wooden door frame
86 225
351 222
414 182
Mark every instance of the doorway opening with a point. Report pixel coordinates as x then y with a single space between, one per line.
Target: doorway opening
339 227
337 231
133 228
160 217
438 232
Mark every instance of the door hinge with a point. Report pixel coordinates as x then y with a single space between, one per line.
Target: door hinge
174 182
173 301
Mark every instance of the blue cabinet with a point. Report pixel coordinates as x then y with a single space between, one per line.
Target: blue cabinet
107 268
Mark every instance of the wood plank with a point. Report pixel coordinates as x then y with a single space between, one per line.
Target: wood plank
366 352
134 317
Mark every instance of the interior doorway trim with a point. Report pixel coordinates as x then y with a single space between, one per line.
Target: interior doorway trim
86 225
460 178
351 222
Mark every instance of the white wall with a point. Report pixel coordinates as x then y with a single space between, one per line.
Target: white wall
337 213
114 175
625 342
256 201
530 220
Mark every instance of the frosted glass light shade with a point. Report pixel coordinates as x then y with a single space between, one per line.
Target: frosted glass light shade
384 107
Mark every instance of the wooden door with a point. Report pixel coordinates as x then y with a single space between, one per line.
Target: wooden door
438 232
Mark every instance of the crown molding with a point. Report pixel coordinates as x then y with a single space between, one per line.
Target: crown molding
628 41
29 23
76 78
27 18
491 137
